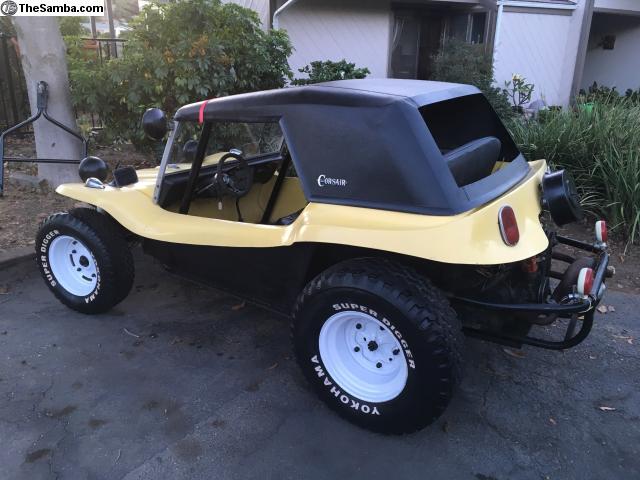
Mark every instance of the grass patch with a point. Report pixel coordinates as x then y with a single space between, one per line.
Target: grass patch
600 144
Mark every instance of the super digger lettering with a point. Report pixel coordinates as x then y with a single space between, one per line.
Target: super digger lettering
363 308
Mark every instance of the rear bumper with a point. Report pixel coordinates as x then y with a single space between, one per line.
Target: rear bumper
578 309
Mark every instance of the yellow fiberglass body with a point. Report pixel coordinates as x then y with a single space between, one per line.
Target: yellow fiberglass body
472 237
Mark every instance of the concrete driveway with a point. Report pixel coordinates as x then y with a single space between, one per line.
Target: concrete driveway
198 388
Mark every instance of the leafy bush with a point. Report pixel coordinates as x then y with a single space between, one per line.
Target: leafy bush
518 91
177 53
72 27
461 62
604 94
600 145
325 71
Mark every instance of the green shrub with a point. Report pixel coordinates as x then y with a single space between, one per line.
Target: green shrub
178 53
326 71
461 62
601 147
72 27
604 94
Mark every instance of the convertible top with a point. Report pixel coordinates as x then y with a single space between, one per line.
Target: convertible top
365 142
272 104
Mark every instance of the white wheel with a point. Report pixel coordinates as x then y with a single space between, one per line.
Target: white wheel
73 265
363 356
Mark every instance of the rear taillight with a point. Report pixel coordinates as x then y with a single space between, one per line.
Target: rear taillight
601 231
585 281
508 226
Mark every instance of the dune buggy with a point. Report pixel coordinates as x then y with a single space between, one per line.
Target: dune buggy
388 219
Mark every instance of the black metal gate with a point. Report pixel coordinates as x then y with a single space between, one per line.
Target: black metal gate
14 100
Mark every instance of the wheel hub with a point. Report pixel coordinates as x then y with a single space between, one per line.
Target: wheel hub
73 265
363 356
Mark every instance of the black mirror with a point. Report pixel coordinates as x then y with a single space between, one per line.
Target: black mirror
154 123
93 167
189 150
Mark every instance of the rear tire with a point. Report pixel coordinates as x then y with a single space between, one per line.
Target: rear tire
379 343
85 260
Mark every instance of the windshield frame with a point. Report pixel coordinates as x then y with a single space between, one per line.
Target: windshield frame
174 132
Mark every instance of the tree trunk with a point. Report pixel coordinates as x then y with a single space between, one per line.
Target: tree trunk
43 56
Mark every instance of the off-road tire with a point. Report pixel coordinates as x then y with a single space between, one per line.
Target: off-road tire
103 237
415 310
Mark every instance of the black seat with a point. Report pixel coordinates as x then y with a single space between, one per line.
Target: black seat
288 219
473 161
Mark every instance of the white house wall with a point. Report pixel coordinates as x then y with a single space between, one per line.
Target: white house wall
333 30
619 67
533 44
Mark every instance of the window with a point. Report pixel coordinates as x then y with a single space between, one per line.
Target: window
478 22
419 34
252 139
472 148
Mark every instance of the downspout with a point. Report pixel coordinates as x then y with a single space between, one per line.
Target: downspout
285 5
496 37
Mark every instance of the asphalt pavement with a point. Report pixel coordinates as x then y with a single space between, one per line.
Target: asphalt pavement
184 382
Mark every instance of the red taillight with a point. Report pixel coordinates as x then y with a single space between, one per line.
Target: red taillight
601 231
508 226
585 281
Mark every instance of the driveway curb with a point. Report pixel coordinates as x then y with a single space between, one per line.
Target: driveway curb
14 256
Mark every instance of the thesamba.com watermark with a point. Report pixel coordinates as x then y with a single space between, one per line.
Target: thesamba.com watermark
57 8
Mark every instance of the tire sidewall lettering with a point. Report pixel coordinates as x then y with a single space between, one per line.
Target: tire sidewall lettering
334 392
342 396
45 266
358 307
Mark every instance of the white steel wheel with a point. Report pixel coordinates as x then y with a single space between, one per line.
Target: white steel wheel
73 265
363 356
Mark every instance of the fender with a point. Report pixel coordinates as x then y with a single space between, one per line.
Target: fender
472 237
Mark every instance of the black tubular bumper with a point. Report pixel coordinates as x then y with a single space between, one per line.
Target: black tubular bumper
577 310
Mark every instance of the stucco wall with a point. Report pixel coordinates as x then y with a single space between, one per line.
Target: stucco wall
333 30
542 45
619 67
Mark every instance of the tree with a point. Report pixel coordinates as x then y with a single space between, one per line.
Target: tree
461 62
177 53
43 57
326 71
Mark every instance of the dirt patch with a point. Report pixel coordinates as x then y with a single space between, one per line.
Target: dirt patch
24 205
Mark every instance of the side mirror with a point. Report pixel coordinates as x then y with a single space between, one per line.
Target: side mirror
189 150
154 123
93 167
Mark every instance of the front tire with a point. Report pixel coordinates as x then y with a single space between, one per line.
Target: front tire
379 343
84 260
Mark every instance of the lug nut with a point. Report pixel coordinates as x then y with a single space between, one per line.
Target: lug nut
378 365
356 349
358 326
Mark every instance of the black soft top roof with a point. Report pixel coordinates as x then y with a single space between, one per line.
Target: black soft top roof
365 142
270 104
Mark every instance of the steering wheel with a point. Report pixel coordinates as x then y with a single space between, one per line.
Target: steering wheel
237 184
